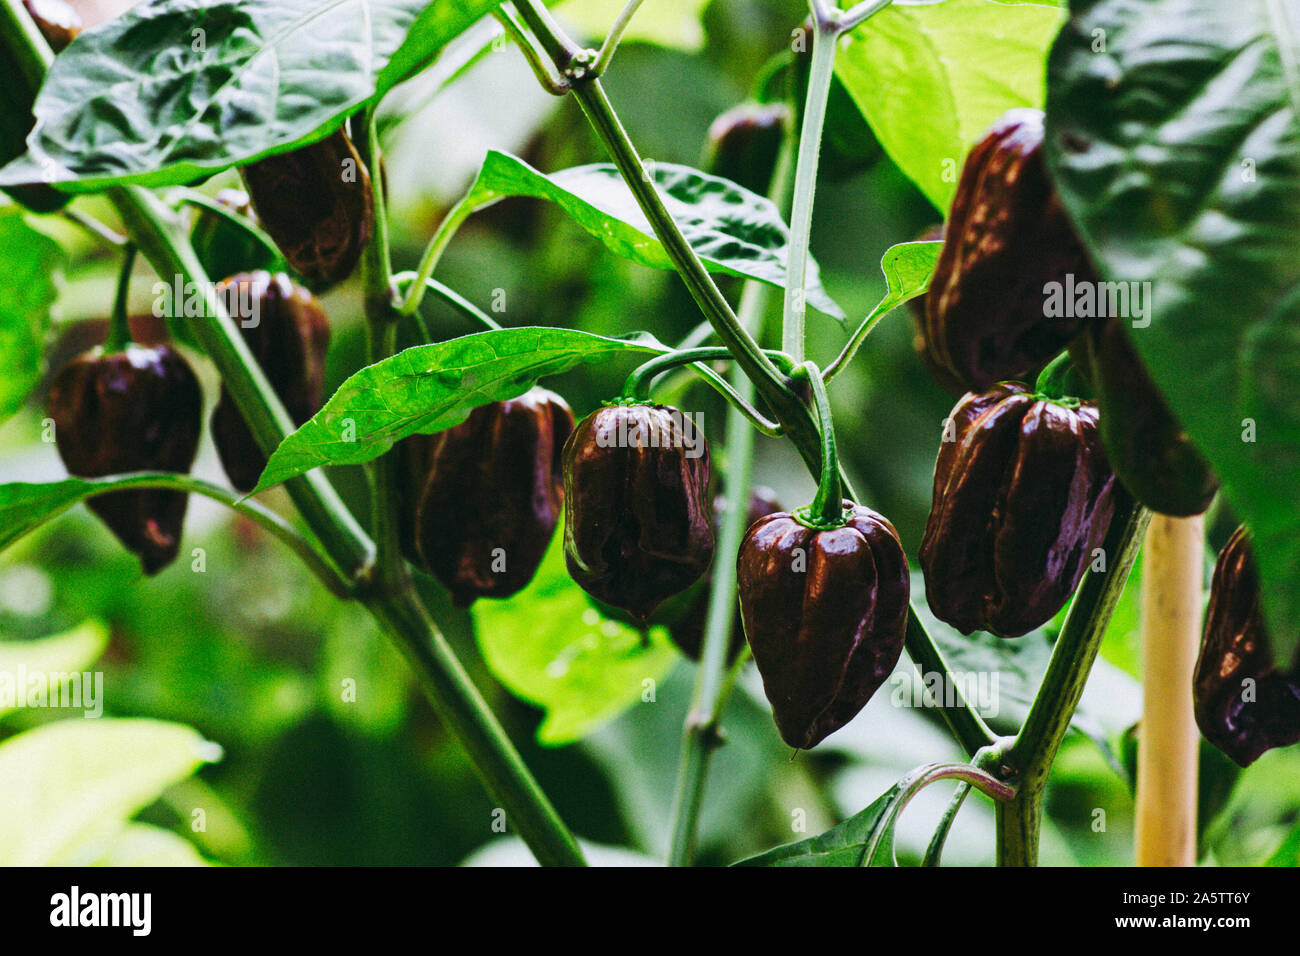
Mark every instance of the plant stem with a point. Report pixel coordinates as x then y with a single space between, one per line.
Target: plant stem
1030 757
453 298
606 51
701 734
307 551
459 705
119 324
438 243
962 719
32 53
805 185
826 510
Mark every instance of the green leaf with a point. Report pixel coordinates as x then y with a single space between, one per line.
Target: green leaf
28 287
669 23
931 77
867 838
72 783
60 657
843 845
550 647
176 90
431 387
732 229
1176 150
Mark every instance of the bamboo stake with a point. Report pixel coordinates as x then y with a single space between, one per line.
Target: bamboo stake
1171 628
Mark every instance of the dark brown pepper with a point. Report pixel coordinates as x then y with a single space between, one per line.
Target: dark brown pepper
1244 704
1022 497
288 334
744 144
135 410
638 526
57 21
491 495
687 631
825 614
316 203
1149 451
1007 237
224 249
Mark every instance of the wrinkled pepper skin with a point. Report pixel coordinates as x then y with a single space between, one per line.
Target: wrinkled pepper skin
289 337
316 203
687 631
744 144
918 308
825 614
1021 498
1147 448
1234 649
136 410
492 495
638 526
1006 238
223 249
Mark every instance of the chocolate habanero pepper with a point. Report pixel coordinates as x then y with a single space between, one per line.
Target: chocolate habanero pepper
687 631
744 144
825 613
1244 705
638 526
288 334
316 203
492 495
1147 448
57 21
1022 496
1007 238
134 410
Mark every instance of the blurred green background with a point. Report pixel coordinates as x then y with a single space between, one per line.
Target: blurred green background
253 653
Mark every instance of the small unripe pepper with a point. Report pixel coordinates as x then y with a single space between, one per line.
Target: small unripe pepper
1022 496
223 249
687 631
1244 704
288 334
1149 451
825 614
638 526
316 203
744 144
491 495
134 410
1006 239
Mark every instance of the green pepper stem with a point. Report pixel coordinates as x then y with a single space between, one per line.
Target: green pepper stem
637 386
1030 757
615 35
437 245
827 509
119 324
962 719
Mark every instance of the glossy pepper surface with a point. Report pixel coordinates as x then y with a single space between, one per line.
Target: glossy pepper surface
1007 238
316 203
825 614
687 631
744 144
1022 496
638 525
491 495
135 410
1244 705
1147 448
288 334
